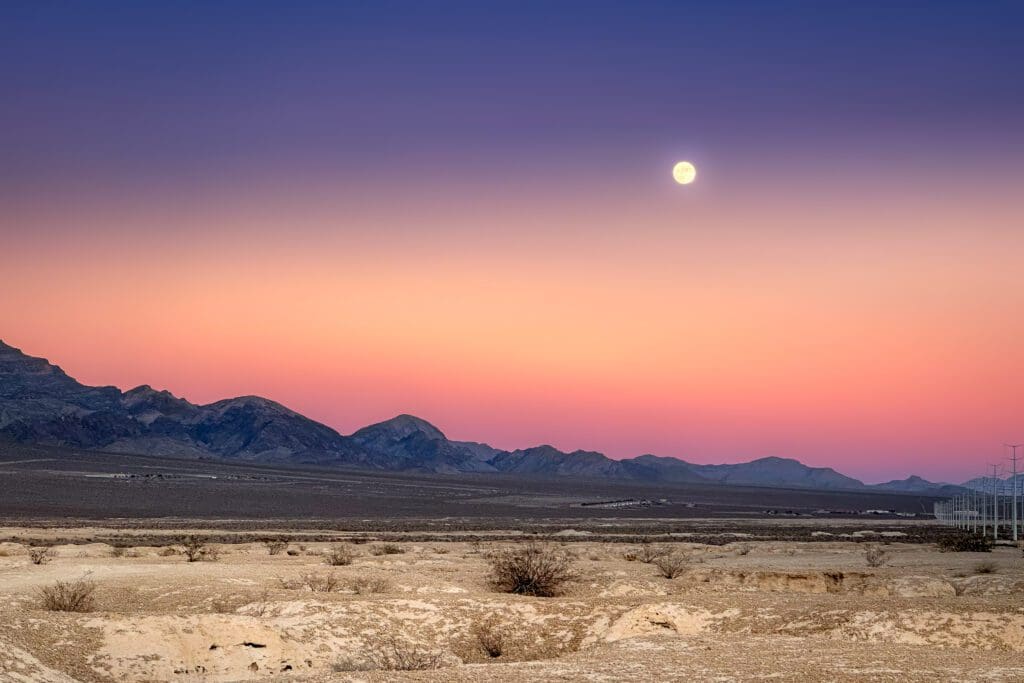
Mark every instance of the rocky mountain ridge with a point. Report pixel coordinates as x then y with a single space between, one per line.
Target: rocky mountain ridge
40 403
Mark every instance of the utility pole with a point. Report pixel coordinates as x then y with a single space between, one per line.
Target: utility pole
1013 458
995 501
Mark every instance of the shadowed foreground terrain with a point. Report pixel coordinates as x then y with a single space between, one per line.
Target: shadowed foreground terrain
744 610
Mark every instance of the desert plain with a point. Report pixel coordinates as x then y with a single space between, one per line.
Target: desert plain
850 603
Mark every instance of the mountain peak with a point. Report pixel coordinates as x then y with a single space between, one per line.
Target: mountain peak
400 427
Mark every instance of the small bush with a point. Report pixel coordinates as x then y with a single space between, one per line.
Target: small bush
400 655
320 583
39 555
966 543
743 549
531 569
118 551
630 556
387 549
671 565
169 552
275 546
68 596
649 553
875 556
340 556
490 639
985 568
196 550
394 655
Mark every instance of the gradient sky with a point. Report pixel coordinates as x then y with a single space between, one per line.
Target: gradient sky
465 211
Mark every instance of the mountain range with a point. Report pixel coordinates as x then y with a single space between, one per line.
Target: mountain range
40 403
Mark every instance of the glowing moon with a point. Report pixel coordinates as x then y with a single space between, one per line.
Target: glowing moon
684 172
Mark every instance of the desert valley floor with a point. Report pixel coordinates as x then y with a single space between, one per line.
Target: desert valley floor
743 608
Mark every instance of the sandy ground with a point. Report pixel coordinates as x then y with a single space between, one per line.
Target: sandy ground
743 611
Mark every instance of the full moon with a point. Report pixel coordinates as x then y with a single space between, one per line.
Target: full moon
684 172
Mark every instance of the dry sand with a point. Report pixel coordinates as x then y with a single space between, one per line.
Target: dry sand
745 611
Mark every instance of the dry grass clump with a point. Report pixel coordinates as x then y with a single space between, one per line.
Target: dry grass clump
317 583
118 551
68 596
649 552
672 565
402 655
490 639
743 549
875 556
196 550
340 556
364 585
986 568
386 549
531 569
275 546
39 555
394 655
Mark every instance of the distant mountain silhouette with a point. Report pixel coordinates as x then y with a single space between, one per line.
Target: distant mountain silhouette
773 471
915 484
40 403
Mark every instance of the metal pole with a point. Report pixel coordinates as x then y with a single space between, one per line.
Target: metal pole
995 502
1013 458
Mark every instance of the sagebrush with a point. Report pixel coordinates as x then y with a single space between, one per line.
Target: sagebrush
68 596
531 569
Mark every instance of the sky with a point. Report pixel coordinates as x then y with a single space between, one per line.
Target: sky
465 211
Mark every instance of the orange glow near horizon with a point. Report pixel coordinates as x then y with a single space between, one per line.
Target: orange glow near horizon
880 338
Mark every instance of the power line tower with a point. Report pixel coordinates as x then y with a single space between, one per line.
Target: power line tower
1013 504
995 501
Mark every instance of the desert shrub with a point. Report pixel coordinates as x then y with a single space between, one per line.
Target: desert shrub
393 655
649 552
364 585
670 566
39 555
965 543
531 569
387 549
169 552
340 556
630 556
275 546
985 568
320 583
743 549
401 655
440 550
292 552
490 639
118 551
68 596
875 556
196 550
